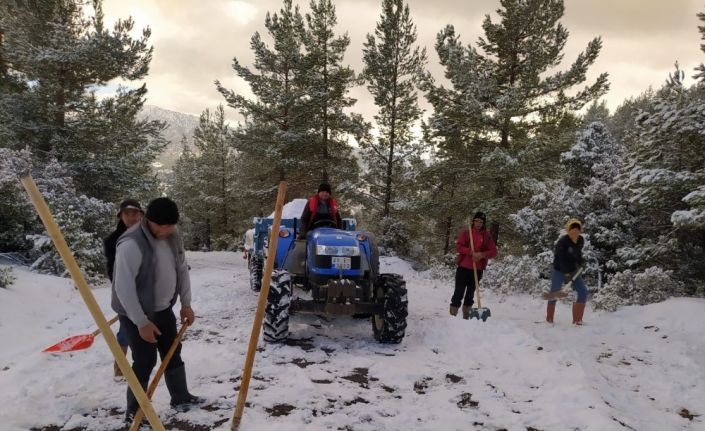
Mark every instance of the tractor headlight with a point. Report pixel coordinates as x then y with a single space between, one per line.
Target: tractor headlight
337 250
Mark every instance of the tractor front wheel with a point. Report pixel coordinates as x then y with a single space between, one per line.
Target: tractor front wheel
390 292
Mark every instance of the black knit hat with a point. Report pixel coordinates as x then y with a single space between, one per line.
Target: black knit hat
481 216
325 187
129 204
162 211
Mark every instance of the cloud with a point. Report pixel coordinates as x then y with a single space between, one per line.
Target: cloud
195 42
241 11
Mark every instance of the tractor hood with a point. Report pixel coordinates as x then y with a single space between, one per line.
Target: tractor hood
344 240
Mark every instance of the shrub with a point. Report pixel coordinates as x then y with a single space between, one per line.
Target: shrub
637 288
519 274
6 277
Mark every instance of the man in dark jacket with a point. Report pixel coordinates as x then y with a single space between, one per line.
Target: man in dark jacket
472 256
150 274
321 210
129 214
567 258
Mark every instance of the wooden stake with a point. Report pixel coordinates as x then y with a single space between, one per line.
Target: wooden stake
158 376
80 282
259 315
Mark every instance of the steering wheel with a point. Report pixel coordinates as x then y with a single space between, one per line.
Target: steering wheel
324 223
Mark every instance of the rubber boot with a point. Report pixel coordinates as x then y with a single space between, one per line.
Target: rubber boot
453 310
175 380
466 311
578 311
132 404
116 369
550 311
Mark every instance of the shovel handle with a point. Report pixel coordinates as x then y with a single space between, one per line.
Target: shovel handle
474 268
158 376
110 322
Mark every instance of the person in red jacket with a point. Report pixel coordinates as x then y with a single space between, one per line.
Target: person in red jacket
320 211
484 249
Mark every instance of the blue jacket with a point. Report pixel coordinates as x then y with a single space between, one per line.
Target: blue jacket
568 256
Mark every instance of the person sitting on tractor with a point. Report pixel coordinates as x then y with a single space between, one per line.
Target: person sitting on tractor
320 211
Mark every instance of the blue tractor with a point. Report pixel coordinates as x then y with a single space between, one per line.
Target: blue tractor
332 271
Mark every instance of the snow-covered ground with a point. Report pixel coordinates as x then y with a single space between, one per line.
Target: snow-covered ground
641 368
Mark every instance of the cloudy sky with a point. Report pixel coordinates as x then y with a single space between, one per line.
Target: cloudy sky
195 41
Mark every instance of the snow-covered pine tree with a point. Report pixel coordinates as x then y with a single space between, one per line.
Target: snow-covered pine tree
455 131
65 50
524 101
393 67
274 140
15 209
666 174
694 216
83 221
326 84
210 198
185 192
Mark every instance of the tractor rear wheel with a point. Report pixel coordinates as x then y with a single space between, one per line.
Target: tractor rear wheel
276 313
256 265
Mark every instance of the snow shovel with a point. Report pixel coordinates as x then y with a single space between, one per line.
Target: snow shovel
137 421
76 342
564 290
480 312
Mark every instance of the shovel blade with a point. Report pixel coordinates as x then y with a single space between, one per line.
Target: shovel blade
552 296
71 344
480 313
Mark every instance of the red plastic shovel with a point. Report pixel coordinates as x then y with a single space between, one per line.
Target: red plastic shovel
76 342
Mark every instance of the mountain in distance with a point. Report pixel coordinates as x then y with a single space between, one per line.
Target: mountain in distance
179 126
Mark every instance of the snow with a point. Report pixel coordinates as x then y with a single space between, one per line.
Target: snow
292 209
639 366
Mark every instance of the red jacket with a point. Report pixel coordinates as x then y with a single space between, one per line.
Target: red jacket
483 243
310 214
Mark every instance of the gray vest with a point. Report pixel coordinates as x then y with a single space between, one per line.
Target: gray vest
146 276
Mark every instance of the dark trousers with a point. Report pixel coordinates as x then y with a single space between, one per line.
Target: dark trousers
144 354
464 286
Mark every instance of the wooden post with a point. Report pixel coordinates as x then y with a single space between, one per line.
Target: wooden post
259 315
71 264
158 376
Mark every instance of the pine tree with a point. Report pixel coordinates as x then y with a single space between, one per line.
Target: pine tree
516 103
327 83
274 136
15 210
591 188
213 176
666 176
84 221
64 49
393 67
54 55
184 190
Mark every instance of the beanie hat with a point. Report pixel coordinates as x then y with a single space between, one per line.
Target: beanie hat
481 216
573 223
129 204
162 211
325 187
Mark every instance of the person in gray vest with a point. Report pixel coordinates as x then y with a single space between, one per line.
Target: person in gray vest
150 274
